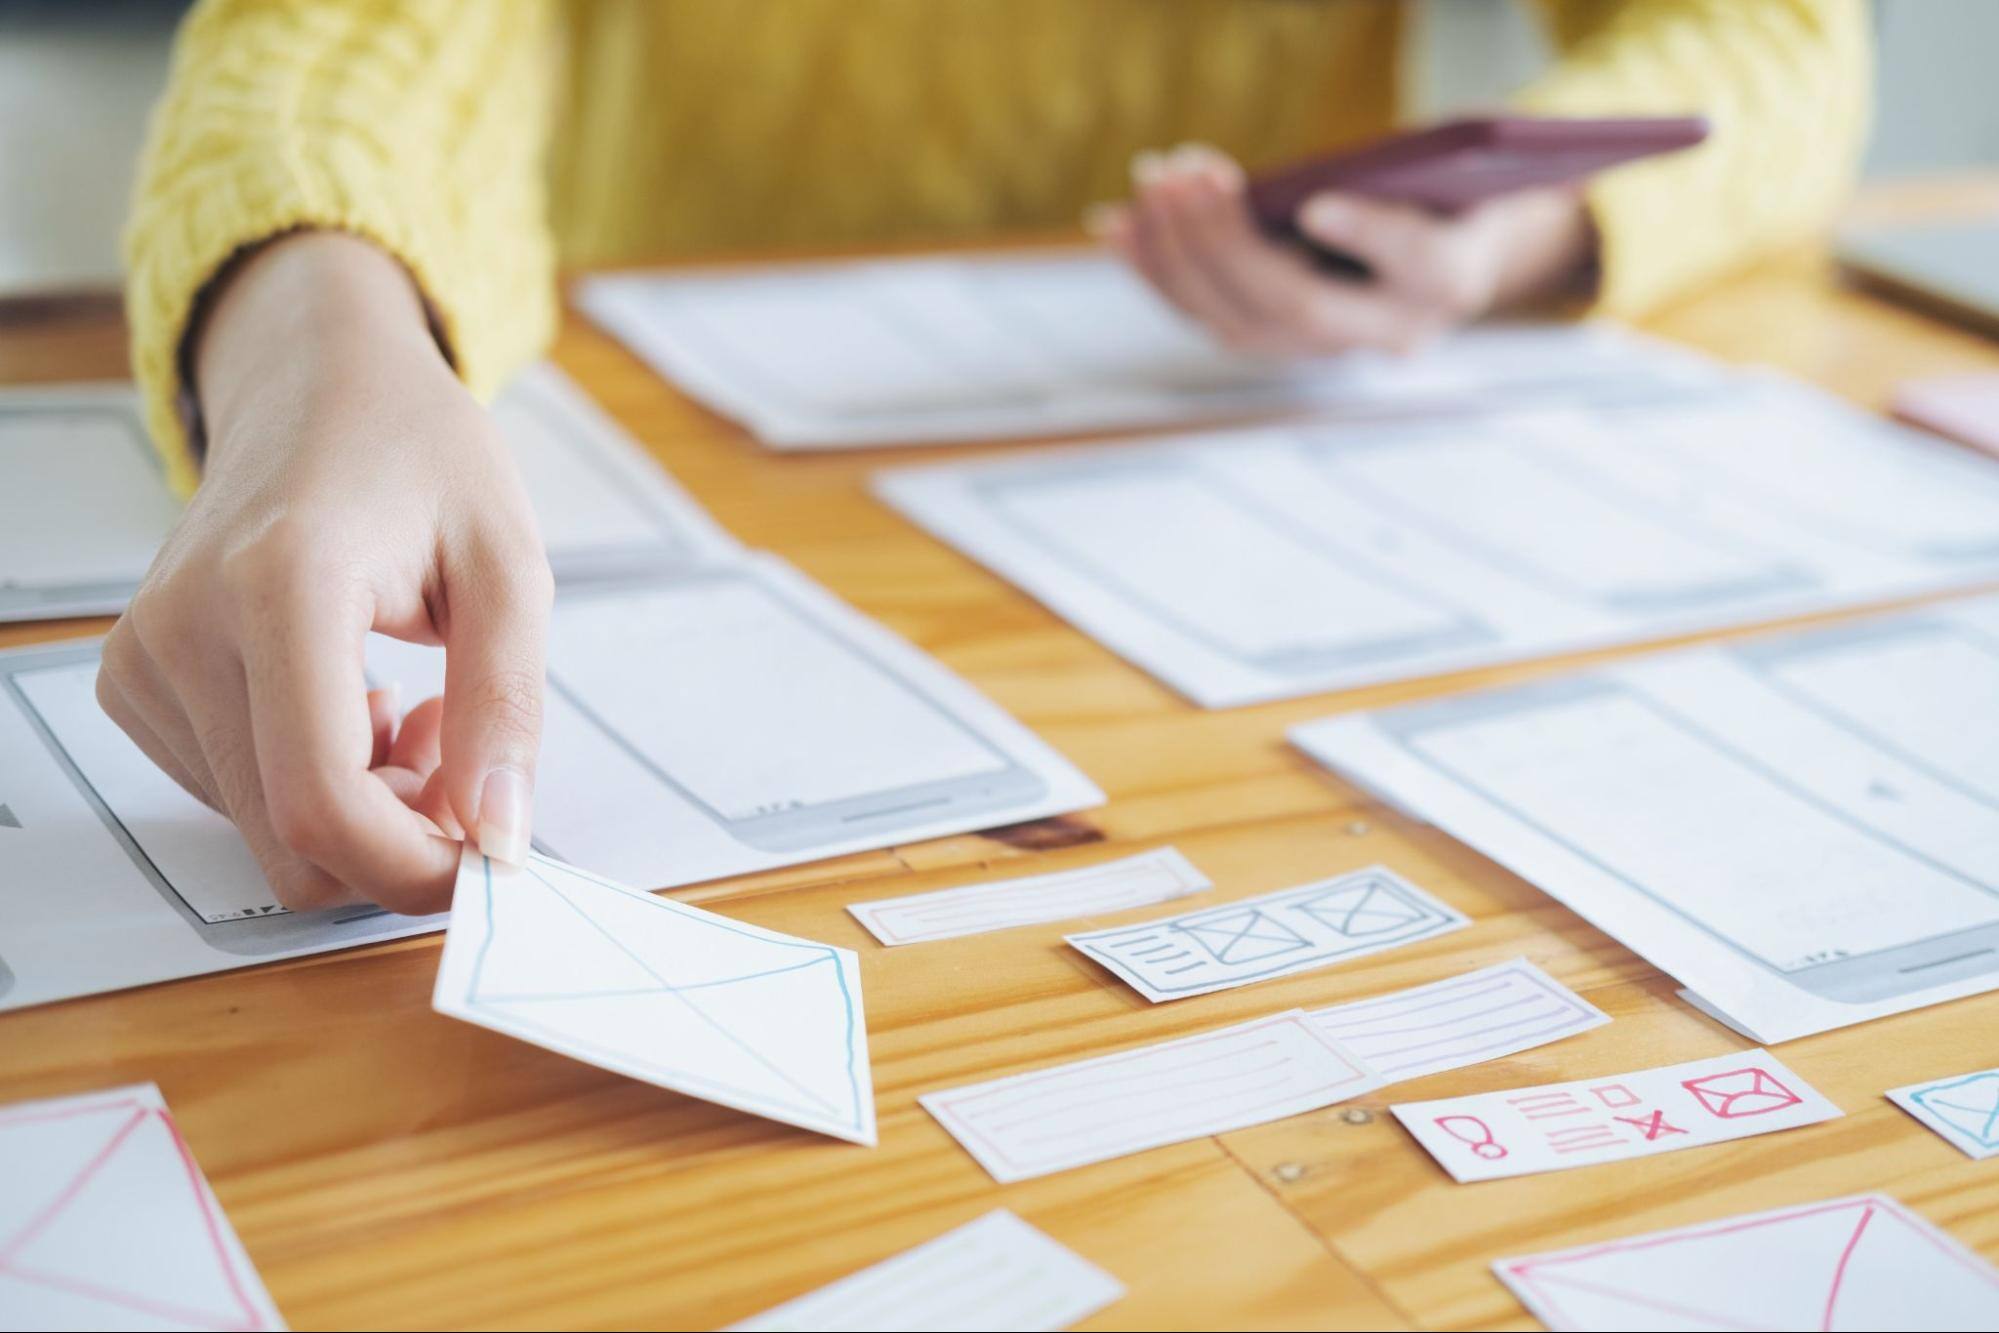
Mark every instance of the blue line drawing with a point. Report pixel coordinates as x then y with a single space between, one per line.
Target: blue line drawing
1969 1106
661 991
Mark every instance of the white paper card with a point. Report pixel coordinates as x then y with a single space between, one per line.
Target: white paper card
1157 876
1580 1123
1483 1015
839 354
1849 1265
1964 1110
106 1222
1033 1124
739 717
110 874
996 1272
1284 561
84 503
1803 829
661 992
1272 935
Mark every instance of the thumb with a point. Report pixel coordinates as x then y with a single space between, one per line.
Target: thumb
1388 238
495 642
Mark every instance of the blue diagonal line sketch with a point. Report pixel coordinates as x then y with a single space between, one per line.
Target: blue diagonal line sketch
1969 1105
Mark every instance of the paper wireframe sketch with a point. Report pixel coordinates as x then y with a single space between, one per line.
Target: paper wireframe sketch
110 874
723 720
849 353
1147 878
1613 1117
661 992
1029 1125
1272 935
85 502
1802 828
995 1272
1854 1264
107 1222
1483 1015
1963 1110
1270 563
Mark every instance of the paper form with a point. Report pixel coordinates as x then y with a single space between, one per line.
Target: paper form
1157 876
1613 1117
1496 1011
1272 935
996 1272
1802 828
112 875
661 992
718 721
84 504
840 354
1282 561
1034 1124
1857 1263
1962 1110
107 1222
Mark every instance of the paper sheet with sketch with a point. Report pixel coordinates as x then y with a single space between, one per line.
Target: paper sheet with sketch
1288 560
994 1272
1271 935
1612 1117
1962 1110
1851 1265
1048 1120
1143 880
661 992
107 1222
85 502
840 354
1803 828
738 718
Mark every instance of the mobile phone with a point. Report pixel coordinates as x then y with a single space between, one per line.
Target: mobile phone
1459 164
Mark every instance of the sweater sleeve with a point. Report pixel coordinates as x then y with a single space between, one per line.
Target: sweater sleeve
1786 86
418 124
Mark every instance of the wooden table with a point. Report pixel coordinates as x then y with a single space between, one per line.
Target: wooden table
386 1166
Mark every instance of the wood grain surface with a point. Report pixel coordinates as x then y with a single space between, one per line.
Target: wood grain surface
386 1166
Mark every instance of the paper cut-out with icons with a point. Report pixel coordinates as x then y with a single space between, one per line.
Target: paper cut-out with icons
107 1222
662 992
1964 1111
1274 935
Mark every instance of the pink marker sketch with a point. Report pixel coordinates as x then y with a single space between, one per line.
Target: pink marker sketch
1654 1126
1741 1092
1470 1130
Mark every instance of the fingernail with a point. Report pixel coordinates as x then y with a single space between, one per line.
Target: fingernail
503 816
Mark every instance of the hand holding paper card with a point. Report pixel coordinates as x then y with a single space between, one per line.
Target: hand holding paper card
660 991
1963 1110
1846 1264
107 1222
1518 1132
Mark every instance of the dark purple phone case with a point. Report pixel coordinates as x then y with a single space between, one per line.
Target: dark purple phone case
1451 167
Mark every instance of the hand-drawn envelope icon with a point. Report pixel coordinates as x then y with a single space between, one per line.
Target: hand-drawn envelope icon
106 1222
1360 910
660 991
1857 1263
1740 1092
1243 937
1969 1105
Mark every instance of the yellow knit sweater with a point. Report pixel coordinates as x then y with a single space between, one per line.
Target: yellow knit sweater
483 141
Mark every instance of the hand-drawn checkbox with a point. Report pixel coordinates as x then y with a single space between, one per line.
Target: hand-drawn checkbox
1615 1096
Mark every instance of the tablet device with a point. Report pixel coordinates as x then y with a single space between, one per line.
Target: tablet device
1453 166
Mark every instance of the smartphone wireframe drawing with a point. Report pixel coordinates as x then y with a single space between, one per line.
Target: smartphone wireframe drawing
785 730
1216 566
190 857
1852 893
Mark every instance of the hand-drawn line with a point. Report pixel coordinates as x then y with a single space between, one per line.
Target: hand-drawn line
1987 1134
1166 1071
1763 1095
1615 1096
247 1316
1474 1133
1654 1126
853 1114
1260 937
1350 920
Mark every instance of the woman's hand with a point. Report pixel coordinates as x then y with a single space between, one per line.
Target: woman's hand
1190 231
351 484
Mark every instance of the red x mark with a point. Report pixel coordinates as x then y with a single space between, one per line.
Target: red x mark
1654 1125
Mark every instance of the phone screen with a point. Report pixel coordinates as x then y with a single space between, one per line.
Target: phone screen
1219 568
1796 869
738 697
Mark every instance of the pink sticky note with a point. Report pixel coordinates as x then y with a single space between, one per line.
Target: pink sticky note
1964 407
